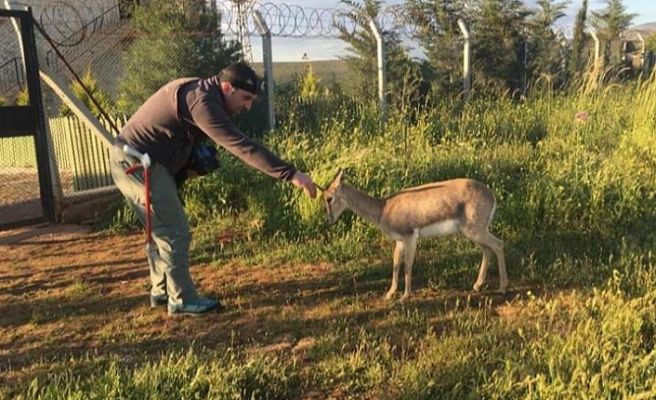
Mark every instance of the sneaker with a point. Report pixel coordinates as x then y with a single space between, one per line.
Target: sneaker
159 300
198 306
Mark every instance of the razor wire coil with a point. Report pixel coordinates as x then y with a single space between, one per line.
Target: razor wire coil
288 20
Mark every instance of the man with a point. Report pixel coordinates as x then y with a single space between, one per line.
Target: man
167 127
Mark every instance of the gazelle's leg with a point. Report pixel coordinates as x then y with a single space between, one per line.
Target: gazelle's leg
497 246
409 259
482 272
485 238
396 266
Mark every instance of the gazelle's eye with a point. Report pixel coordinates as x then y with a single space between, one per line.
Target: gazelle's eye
329 199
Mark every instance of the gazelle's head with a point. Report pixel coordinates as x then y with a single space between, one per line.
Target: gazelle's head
332 197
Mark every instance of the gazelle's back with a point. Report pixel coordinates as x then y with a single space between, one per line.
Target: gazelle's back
438 208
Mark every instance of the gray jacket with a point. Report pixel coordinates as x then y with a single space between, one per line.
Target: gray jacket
186 110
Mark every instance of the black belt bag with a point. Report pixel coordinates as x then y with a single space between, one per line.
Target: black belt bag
202 159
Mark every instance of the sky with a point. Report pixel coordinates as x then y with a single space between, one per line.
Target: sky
294 49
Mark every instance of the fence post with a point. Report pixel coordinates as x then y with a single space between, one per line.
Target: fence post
597 50
11 5
642 50
466 60
642 43
382 76
53 167
648 62
267 60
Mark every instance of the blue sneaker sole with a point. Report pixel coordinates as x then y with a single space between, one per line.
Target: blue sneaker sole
178 312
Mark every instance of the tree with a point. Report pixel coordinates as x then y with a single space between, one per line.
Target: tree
544 55
362 61
609 22
174 39
500 43
309 84
612 20
578 59
23 98
650 42
439 35
98 94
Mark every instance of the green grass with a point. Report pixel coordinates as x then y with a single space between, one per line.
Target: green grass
575 209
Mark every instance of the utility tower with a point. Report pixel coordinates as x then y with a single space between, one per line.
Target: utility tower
243 9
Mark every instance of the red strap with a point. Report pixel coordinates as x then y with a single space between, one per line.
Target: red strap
148 212
133 168
130 171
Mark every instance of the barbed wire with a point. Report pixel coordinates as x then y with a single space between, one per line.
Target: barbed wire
69 22
288 20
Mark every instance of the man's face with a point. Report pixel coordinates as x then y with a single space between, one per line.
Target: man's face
238 100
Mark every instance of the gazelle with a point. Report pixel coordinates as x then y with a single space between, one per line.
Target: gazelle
462 206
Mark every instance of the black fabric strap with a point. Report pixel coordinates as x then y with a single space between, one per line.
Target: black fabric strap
255 87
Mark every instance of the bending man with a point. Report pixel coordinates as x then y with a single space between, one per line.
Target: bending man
166 127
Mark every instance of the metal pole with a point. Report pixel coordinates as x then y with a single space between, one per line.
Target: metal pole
642 43
44 149
12 5
267 58
597 50
466 59
53 191
382 76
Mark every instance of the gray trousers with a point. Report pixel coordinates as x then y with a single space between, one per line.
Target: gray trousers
168 258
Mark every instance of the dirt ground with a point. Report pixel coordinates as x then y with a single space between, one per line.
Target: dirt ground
66 291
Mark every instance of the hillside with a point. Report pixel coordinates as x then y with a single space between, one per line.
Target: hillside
327 70
649 27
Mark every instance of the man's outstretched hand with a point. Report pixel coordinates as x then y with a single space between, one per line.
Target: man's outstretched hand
302 180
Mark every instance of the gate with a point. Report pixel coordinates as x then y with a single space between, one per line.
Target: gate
26 193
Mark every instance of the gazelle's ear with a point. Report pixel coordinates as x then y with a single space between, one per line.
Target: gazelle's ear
336 180
340 176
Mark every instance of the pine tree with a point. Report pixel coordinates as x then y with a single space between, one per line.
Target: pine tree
500 44
609 22
174 39
578 59
650 42
100 96
437 31
362 60
545 43
309 84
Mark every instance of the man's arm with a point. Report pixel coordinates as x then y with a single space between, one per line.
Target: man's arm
215 123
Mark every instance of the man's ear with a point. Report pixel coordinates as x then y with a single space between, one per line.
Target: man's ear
226 87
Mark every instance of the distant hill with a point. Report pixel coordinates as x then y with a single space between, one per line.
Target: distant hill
649 28
327 70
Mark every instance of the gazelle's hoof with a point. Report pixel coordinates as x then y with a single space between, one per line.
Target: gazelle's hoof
404 297
503 289
477 287
389 296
